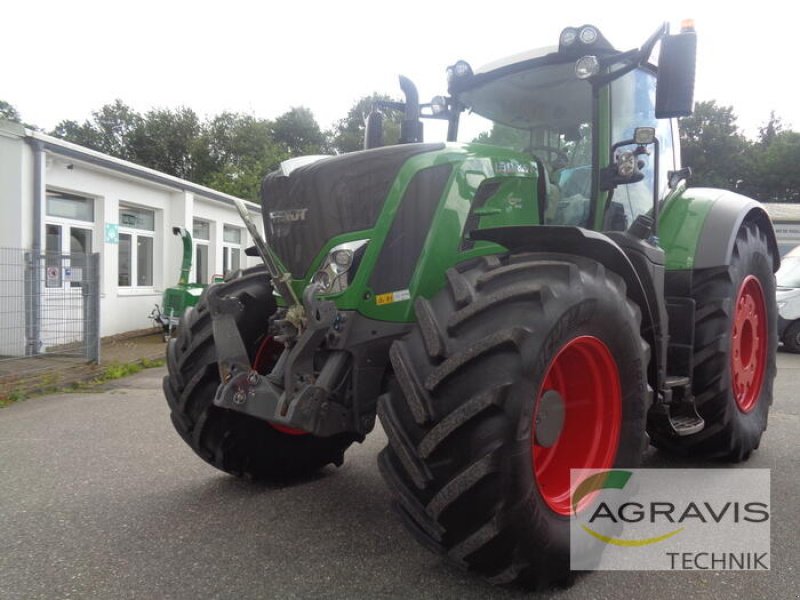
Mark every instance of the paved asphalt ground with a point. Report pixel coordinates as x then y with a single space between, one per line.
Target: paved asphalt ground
99 498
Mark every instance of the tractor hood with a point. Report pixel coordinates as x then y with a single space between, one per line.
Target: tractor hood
329 197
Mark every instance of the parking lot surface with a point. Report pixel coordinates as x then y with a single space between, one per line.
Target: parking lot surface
99 498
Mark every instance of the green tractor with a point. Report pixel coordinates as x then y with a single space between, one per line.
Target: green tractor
552 297
181 296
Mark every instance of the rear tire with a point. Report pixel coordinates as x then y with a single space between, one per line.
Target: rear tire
736 339
231 441
476 471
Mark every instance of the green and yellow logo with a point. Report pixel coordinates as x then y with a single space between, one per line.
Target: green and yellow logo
614 479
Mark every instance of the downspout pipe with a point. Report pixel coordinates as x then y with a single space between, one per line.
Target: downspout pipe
37 260
38 194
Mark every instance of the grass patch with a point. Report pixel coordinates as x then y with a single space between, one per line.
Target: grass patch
47 383
11 397
120 370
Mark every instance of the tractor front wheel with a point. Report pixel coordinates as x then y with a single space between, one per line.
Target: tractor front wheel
232 441
518 371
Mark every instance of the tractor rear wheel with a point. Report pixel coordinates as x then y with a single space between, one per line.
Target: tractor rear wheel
231 441
736 337
518 371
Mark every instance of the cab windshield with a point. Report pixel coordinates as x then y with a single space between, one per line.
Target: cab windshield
545 112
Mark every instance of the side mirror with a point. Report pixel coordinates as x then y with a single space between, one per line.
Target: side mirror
373 130
676 70
627 166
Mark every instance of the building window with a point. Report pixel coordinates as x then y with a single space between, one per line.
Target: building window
201 232
70 206
231 248
136 230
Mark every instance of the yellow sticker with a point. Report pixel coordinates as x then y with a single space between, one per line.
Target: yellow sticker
384 298
392 297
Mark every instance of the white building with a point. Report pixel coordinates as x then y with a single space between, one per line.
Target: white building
59 197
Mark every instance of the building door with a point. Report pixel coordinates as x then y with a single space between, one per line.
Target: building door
66 250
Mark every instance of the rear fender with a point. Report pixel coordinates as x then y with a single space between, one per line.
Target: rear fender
698 228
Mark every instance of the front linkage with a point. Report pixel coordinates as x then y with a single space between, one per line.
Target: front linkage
298 393
291 395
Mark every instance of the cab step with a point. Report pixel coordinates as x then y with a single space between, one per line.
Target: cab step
676 414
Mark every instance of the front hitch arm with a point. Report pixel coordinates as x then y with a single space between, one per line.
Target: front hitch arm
303 402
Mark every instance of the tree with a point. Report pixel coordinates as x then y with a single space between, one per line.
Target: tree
505 136
240 152
712 146
770 130
776 177
348 133
8 112
83 135
169 141
110 130
297 133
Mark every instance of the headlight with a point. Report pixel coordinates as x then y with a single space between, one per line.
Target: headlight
340 266
586 67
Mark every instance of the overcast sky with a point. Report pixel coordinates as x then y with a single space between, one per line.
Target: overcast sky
61 60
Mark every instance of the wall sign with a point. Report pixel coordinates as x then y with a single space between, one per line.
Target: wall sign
112 233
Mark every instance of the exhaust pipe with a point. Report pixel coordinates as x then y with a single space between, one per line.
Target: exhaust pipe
411 127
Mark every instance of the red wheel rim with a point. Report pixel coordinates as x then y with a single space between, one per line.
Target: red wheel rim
585 375
267 355
748 344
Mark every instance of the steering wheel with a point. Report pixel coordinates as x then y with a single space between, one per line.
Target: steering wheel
560 155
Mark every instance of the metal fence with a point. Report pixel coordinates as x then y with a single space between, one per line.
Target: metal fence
49 305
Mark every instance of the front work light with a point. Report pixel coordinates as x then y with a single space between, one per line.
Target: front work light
586 67
438 105
588 34
568 37
339 267
644 135
458 70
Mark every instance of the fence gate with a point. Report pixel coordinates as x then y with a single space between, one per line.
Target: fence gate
50 305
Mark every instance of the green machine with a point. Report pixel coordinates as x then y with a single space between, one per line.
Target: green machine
549 296
179 297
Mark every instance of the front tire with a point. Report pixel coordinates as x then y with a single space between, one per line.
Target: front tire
232 441
479 456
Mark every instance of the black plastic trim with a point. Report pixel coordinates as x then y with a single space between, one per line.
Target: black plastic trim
412 224
729 211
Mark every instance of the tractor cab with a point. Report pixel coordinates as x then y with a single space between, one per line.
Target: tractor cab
598 122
